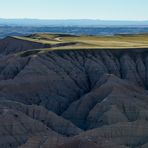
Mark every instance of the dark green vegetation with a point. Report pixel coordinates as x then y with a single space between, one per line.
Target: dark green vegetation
66 91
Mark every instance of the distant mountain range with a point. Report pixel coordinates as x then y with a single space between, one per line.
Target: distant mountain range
70 22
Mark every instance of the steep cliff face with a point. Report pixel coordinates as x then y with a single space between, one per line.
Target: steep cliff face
75 98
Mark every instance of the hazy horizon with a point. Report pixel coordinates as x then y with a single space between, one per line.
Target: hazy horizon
72 19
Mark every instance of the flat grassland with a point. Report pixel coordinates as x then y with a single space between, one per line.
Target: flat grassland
67 42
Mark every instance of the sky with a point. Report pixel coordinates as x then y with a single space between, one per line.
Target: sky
75 9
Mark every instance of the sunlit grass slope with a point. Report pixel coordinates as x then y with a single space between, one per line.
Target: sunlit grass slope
65 42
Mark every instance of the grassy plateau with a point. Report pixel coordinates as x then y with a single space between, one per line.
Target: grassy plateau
69 42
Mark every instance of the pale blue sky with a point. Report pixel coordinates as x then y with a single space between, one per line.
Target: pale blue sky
75 9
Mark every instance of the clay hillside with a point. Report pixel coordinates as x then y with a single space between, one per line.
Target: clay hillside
67 91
